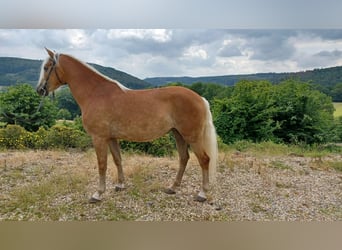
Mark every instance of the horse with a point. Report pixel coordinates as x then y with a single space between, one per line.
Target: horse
112 112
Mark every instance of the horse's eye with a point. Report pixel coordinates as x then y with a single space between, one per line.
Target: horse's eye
45 68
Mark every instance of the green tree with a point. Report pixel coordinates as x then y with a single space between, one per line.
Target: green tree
304 114
65 100
211 90
63 114
19 105
337 92
248 114
290 112
338 129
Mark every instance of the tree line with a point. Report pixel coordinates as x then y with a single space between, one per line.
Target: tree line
326 80
289 112
292 111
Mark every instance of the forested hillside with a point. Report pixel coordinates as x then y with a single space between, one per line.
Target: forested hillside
18 70
326 77
328 80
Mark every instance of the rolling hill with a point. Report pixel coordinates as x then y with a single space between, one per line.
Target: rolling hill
325 77
19 70
328 80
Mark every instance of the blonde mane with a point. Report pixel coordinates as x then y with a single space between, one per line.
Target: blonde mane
97 72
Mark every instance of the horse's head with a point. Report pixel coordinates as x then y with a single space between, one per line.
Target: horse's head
50 74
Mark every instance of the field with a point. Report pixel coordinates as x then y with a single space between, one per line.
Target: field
257 184
338 109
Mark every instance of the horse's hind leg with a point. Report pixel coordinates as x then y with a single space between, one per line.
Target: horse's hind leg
115 150
182 148
203 160
101 148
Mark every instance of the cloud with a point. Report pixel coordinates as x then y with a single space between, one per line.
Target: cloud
273 45
231 48
324 34
196 52
229 51
271 49
157 35
172 52
324 57
329 54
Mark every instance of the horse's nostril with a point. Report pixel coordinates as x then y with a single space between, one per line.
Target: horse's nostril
42 91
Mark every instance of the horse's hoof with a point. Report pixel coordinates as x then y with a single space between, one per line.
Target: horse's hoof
200 198
169 191
118 188
93 200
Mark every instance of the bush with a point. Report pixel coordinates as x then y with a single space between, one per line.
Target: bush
64 136
248 114
39 139
160 147
337 129
59 136
63 114
305 115
14 137
291 112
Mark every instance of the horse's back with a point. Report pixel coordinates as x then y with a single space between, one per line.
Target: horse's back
181 98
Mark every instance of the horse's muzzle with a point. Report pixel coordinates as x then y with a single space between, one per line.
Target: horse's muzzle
42 91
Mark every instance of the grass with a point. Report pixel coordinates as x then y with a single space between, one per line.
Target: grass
280 165
41 198
55 185
337 165
270 148
338 109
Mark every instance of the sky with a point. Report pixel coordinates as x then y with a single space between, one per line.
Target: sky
183 52
149 38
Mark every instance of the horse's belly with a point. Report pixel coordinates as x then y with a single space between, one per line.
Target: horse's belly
141 131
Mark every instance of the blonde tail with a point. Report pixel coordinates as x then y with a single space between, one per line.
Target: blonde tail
210 143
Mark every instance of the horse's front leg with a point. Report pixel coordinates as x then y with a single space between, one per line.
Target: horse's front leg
101 148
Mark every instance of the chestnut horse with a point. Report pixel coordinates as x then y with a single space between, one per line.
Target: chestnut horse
111 112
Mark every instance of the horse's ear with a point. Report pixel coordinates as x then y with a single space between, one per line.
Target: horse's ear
50 52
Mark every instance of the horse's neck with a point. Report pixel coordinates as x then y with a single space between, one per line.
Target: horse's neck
82 80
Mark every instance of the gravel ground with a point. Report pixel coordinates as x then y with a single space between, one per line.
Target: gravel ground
282 189
55 185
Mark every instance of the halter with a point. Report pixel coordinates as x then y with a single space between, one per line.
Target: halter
53 67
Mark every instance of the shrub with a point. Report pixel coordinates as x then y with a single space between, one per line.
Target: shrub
248 114
305 115
338 129
14 137
63 136
64 114
290 112
160 147
39 139
60 136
